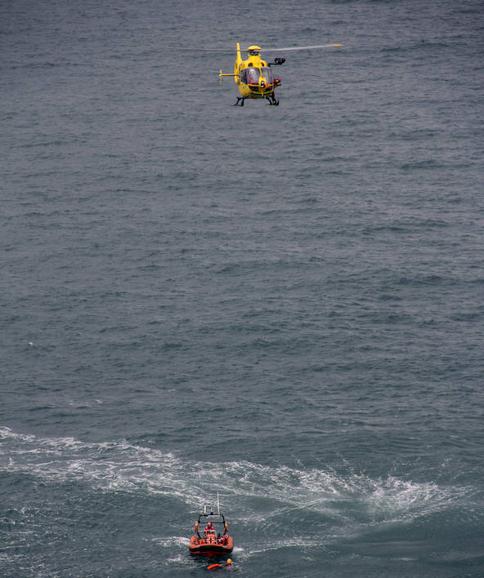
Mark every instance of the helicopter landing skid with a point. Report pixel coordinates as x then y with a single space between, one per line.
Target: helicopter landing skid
272 100
241 100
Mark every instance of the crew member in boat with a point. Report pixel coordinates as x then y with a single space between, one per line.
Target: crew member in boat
209 529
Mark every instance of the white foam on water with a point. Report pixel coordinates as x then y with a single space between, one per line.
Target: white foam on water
179 560
111 466
298 542
170 541
123 467
394 499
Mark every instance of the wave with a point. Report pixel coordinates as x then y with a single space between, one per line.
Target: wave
255 494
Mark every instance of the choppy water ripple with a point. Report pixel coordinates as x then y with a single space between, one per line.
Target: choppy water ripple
279 491
280 303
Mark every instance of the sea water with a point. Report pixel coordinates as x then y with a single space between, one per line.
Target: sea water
283 305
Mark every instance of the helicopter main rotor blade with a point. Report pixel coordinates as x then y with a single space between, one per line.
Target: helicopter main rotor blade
214 50
291 48
231 50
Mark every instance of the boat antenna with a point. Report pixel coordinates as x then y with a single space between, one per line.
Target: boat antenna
218 504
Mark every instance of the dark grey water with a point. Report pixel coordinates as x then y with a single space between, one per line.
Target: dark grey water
282 304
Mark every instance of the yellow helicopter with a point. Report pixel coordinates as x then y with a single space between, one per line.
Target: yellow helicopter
253 75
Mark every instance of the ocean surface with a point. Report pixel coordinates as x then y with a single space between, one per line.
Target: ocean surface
284 305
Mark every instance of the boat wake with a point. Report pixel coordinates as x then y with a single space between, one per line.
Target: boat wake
255 494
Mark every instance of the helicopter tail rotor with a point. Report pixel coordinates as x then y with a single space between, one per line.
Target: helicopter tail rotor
277 62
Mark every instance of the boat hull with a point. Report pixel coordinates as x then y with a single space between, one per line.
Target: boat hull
210 546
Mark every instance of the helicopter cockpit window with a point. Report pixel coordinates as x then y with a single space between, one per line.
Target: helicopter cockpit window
251 76
267 74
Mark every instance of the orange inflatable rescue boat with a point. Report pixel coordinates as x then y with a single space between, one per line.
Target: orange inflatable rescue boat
211 537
